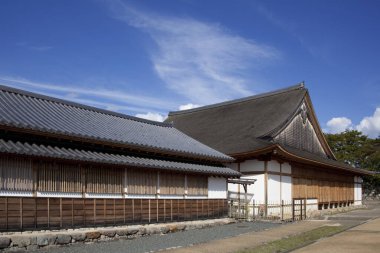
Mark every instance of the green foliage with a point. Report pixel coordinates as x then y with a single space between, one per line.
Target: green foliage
296 241
356 149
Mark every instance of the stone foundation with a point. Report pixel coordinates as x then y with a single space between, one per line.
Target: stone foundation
32 240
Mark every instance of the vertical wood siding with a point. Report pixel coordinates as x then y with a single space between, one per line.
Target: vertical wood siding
172 183
15 174
197 185
58 177
323 185
22 174
142 181
104 180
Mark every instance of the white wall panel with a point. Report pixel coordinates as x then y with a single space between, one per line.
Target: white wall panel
274 189
358 194
286 168
217 188
274 166
16 193
59 194
256 189
251 165
286 188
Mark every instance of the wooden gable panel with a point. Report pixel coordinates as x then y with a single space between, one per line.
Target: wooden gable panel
300 133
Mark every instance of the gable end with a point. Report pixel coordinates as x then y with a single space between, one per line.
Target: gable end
301 134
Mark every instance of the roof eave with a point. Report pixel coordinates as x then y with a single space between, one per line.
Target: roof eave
279 150
89 139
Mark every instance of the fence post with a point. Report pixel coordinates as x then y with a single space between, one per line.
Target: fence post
282 210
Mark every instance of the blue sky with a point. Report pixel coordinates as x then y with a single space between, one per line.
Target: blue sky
146 58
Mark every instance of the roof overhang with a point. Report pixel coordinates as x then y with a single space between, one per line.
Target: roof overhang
284 153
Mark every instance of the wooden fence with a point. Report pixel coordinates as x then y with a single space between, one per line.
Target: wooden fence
17 214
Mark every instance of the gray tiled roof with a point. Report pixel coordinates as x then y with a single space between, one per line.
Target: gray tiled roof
25 110
239 126
35 150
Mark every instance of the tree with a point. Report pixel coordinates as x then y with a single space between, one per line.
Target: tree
359 151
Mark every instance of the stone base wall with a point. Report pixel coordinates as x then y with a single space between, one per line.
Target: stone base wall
44 239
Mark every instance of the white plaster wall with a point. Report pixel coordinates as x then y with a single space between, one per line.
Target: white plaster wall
141 196
274 189
59 194
251 165
104 195
286 168
16 193
286 188
256 189
274 166
358 194
217 188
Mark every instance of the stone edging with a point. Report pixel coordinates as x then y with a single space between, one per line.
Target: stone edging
40 239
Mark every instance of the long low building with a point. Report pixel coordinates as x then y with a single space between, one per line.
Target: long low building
276 140
64 164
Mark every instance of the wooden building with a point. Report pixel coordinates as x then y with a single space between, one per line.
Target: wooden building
64 164
276 139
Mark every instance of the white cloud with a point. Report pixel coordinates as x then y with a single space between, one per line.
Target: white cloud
188 106
371 125
151 116
338 125
201 61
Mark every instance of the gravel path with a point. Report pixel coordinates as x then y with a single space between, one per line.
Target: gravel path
159 242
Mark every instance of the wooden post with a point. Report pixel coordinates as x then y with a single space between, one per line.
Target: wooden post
72 212
48 208
197 201
60 212
171 209
149 210
35 212
124 209
164 210
114 213
104 211
282 209
94 211
266 188
6 213
84 211
35 179
133 210
21 214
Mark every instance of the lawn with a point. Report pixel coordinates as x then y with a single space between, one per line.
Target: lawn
295 241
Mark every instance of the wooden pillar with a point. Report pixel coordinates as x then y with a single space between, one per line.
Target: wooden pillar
35 178
266 187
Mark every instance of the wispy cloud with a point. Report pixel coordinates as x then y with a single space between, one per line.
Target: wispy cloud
114 100
203 62
29 46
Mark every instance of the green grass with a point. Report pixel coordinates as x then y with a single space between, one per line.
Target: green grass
295 241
